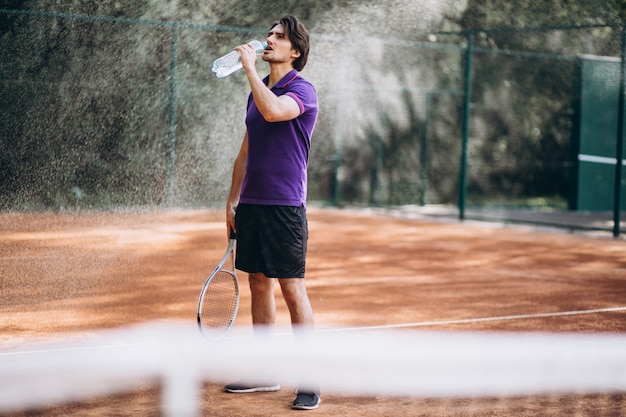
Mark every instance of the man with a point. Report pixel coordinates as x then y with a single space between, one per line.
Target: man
266 203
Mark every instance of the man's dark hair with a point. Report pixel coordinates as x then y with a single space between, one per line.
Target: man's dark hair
299 37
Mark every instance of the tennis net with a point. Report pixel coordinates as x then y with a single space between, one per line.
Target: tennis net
447 373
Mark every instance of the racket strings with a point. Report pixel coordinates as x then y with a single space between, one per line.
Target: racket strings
219 304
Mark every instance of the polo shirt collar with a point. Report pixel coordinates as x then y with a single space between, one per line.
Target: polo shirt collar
284 82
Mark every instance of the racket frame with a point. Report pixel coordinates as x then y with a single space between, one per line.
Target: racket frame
229 255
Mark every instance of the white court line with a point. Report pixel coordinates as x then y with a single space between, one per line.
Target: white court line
541 277
477 320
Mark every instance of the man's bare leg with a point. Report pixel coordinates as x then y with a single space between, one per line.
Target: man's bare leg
263 319
263 303
295 295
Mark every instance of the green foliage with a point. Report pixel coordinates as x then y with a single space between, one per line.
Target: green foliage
491 14
71 89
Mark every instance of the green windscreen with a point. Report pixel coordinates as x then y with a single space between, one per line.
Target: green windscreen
597 113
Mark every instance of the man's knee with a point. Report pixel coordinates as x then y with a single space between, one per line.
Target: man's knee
260 283
293 289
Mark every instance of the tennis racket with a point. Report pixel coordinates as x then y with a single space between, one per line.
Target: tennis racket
219 298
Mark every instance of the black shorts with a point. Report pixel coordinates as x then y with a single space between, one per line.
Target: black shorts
271 240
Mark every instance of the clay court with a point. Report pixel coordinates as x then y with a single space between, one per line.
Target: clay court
71 274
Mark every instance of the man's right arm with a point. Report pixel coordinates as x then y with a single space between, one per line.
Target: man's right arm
239 171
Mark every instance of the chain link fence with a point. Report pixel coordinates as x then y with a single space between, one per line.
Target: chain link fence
112 112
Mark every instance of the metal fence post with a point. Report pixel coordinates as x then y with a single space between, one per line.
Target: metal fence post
172 130
620 141
466 123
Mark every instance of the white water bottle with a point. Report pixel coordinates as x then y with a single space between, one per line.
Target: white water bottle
231 62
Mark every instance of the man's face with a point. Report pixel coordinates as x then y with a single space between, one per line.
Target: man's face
279 47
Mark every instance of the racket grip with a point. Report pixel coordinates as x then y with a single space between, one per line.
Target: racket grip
233 234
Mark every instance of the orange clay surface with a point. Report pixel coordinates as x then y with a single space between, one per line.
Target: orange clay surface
70 273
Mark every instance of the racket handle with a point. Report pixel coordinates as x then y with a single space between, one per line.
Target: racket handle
233 234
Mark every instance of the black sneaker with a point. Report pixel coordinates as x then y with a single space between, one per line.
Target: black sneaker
243 387
306 401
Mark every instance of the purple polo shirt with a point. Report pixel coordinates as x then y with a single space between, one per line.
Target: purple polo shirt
278 153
